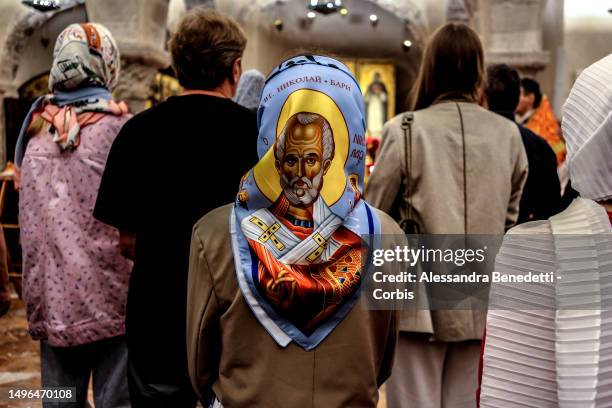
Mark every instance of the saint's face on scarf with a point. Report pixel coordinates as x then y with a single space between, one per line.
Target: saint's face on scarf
303 153
295 210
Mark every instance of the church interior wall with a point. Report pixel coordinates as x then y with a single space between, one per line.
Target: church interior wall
351 37
574 32
434 12
37 55
588 37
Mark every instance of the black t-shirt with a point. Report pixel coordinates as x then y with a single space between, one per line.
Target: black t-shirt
541 197
168 167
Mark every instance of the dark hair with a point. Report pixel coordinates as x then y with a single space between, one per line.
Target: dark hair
205 47
530 86
503 88
452 63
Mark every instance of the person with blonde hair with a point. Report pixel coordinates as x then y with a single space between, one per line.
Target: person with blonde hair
249 89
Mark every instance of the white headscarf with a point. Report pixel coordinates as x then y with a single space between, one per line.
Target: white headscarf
587 129
249 89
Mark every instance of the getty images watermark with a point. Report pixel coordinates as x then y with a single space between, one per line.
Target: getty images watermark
468 272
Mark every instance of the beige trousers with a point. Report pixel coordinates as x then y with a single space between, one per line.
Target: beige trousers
433 374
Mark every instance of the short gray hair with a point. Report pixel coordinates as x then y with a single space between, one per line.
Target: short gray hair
306 118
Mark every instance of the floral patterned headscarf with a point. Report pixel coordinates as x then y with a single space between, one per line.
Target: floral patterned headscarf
85 55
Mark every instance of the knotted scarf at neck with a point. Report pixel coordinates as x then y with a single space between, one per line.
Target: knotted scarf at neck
67 112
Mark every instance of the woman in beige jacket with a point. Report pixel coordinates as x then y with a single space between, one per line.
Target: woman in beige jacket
274 311
462 172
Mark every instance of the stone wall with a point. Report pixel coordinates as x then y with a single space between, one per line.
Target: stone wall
514 34
139 27
28 35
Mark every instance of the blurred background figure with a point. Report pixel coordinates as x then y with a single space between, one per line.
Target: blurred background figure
375 99
74 278
535 113
450 167
249 89
542 192
372 144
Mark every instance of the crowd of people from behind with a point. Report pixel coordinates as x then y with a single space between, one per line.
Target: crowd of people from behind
234 278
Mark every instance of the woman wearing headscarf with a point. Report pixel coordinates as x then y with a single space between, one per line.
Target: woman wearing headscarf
249 89
548 345
273 317
74 278
449 167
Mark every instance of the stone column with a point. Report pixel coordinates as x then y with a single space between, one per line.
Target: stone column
139 27
514 34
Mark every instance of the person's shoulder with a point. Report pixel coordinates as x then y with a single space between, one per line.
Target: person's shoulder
242 116
393 126
499 128
116 119
214 224
387 224
153 112
530 134
225 106
146 119
434 117
582 213
444 115
397 119
536 142
212 241
487 117
528 240
242 111
110 122
530 228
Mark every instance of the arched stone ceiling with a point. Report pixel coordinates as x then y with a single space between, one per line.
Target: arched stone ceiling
344 35
17 23
405 10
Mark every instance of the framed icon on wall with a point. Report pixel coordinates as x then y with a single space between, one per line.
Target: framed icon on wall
377 82
376 79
